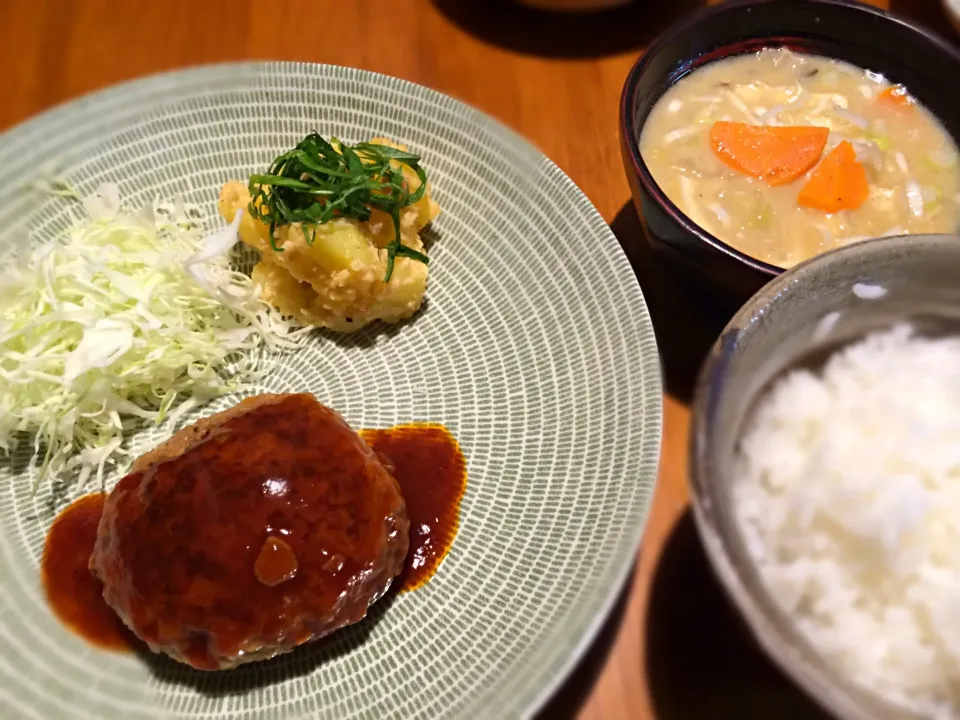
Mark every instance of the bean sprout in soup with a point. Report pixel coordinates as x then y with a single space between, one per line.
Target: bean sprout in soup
784 156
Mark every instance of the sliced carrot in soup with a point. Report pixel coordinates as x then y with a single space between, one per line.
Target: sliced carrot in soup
895 95
839 183
775 154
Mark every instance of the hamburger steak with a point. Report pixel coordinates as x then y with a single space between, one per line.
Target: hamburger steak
249 533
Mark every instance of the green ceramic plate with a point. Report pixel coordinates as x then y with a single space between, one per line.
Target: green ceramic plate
535 349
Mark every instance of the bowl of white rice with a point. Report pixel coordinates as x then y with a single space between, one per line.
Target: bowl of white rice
825 469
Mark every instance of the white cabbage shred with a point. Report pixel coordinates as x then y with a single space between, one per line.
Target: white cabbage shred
131 318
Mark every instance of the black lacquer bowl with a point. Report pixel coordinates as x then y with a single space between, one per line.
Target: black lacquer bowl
849 31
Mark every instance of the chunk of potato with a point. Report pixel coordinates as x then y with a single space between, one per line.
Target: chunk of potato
347 304
334 277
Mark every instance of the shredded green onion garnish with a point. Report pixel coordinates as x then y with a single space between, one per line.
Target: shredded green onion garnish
318 181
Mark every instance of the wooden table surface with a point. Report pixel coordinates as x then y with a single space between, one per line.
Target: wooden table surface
672 648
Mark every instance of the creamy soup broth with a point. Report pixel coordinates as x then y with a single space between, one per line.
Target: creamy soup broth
910 161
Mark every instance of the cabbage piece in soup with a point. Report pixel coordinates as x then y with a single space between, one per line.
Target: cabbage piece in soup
784 155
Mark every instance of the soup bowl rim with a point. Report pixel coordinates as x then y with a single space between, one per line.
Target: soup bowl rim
628 110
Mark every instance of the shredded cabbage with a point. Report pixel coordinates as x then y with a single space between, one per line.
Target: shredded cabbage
131 318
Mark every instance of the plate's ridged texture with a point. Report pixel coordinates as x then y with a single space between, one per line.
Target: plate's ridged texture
535 349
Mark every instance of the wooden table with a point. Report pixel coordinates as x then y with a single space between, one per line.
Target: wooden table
673 648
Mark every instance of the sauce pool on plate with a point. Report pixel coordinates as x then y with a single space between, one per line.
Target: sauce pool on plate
427 462
72 591
425 459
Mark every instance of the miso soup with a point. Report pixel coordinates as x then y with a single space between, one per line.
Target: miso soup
784 155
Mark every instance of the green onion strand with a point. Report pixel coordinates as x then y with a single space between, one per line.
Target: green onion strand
319 181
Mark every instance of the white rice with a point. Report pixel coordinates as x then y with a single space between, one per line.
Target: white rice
848 494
